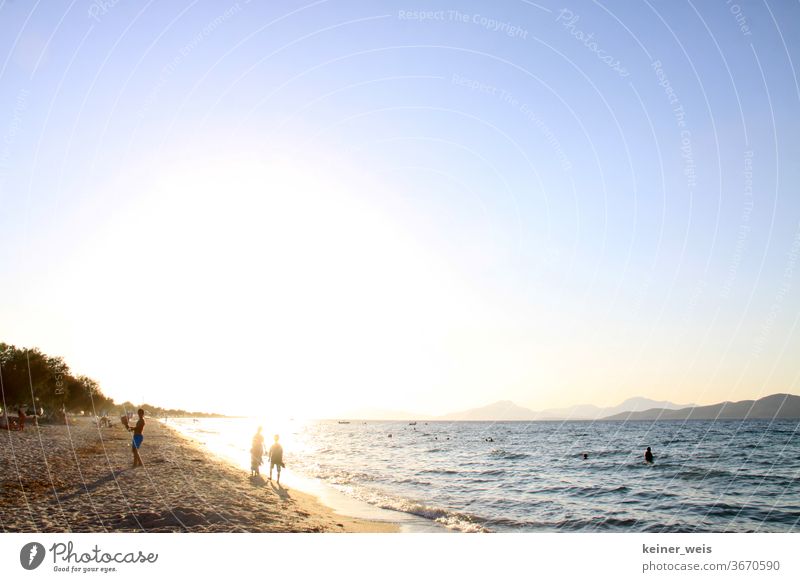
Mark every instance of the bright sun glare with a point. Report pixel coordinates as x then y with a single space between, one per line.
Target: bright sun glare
268 282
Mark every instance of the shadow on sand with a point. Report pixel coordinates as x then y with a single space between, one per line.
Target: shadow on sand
89 487
279 490
259 481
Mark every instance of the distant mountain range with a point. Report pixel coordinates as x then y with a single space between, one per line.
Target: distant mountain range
774 406
507 410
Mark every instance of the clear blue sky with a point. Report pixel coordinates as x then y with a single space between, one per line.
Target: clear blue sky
426 206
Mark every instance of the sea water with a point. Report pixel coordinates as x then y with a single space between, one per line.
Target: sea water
708 476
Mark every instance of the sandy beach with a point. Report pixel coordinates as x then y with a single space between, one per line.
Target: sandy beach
79 479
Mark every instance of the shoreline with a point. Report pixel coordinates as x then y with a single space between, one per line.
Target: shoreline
78 478
324 493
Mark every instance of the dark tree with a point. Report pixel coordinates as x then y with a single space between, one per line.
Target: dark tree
34 380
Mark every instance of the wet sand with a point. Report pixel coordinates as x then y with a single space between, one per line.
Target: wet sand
79 479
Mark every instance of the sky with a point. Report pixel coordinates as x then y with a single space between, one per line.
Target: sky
315 207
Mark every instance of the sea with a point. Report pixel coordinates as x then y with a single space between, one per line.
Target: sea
707 476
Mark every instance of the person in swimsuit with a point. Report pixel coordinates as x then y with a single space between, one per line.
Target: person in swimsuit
256 453
276 459
648 456
138 437
21 419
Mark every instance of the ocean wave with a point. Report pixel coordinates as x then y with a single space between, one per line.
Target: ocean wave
600 491
598 523
603 453
653 495
661 527
504 522
700 474
450 519
458 521
554 489
412 481
501 454
341 477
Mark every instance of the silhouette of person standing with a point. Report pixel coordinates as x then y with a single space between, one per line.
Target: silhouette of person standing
648 456
138 437
256 453
276 459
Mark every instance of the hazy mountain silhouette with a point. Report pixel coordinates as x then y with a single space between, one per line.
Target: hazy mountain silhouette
591 412
769 407
638 408
507 410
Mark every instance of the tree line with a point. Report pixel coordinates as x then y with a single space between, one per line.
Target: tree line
34 380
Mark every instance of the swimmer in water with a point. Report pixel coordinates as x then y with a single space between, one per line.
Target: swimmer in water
585 456
648 456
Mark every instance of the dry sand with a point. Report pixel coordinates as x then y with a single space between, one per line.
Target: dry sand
79 479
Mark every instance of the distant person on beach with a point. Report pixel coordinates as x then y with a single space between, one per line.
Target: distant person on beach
276 458
257 454
648 456
21 419
138 437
